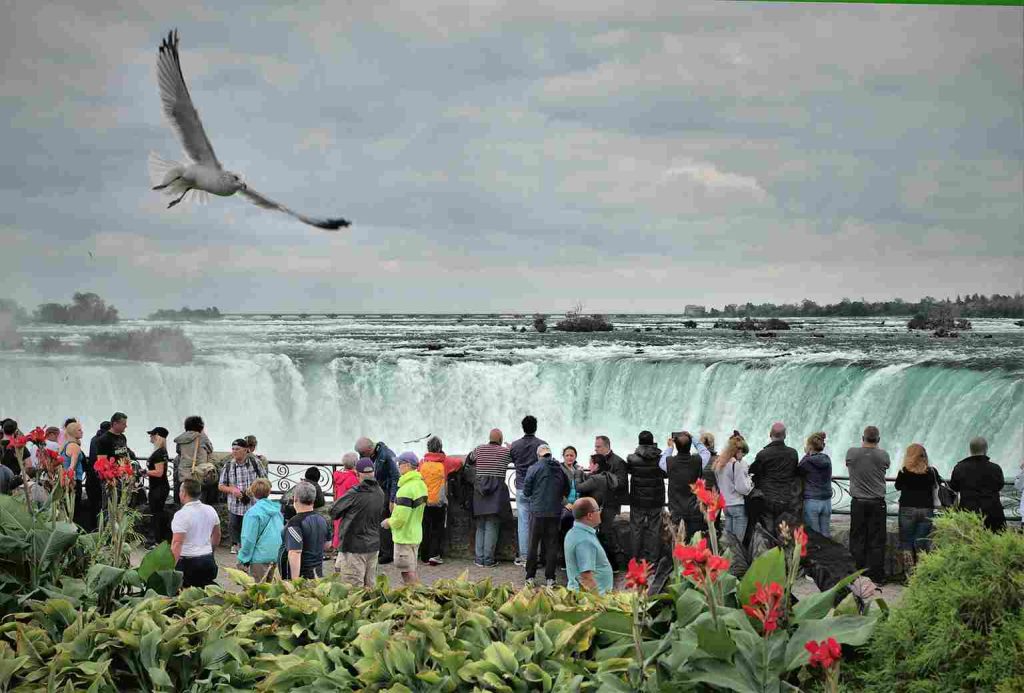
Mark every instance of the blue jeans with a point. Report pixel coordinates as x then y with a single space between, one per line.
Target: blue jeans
735 521
523 515
818 515
915 528
487 527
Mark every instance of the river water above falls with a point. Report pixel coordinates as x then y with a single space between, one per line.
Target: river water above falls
308 387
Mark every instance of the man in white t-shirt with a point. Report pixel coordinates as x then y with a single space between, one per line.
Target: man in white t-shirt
196 531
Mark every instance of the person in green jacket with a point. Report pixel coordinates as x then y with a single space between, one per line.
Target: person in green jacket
406 521
262 526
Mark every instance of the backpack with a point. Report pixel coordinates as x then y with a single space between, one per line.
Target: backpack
942 495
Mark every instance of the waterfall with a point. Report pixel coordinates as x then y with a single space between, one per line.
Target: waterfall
304 409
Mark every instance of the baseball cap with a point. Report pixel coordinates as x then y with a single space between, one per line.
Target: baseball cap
239 443
409 457
364 465
158 431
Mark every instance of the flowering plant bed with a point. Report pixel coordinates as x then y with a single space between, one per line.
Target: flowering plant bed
710 631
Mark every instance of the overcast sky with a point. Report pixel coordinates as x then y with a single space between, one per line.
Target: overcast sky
636 156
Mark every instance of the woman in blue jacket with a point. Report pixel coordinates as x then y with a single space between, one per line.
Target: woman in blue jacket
262 527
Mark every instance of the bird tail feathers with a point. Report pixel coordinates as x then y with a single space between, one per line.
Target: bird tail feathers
163 172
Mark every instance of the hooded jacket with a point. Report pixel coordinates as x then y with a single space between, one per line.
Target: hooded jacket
344 479
435 467
601 486
385 470
546 486
684 469
360 510
816 469
647 487
185 444
407 518
262 526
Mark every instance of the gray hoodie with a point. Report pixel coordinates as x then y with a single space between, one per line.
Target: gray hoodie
186 446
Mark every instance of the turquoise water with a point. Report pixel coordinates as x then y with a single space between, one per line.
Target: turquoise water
308 388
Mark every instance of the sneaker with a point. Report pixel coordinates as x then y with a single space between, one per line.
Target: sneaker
530 582
479 564
234 549
520 561
436 560
549 582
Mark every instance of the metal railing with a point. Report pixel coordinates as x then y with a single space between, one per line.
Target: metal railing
283 475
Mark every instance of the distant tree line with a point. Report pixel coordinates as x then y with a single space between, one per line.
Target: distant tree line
89 309
84 309
187 313
974 306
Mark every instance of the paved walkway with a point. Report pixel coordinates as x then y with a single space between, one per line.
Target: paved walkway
502 573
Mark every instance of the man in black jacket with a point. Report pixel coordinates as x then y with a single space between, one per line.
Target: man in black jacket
545 489
774 472
683 469
979 481
360 510
646 498
612 506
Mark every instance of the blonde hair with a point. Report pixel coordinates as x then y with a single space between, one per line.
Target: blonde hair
915 460
707 438
736 446
69 428
259 488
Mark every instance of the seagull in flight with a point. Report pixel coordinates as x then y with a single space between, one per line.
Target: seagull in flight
204 174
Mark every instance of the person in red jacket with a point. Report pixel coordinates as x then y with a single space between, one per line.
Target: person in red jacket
344 479
435 467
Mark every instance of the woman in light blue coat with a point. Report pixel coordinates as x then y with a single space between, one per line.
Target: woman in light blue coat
262 527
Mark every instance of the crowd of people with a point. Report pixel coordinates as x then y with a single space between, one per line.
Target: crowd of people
393 508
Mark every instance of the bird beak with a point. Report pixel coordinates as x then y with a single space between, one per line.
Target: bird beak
244 186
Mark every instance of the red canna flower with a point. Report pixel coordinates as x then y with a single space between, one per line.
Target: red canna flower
800 537
37 435
696 552
19 441
716 566
699 563
765 605
710 500
824 654
700 489
636 574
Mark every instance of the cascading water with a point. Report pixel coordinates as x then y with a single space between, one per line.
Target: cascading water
304 403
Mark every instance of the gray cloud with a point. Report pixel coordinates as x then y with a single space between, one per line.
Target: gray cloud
515 156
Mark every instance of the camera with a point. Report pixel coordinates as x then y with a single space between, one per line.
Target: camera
244 498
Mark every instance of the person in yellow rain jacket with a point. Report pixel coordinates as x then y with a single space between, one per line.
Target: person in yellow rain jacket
406 521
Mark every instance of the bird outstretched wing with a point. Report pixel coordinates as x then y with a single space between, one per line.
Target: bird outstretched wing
261 201
178 107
